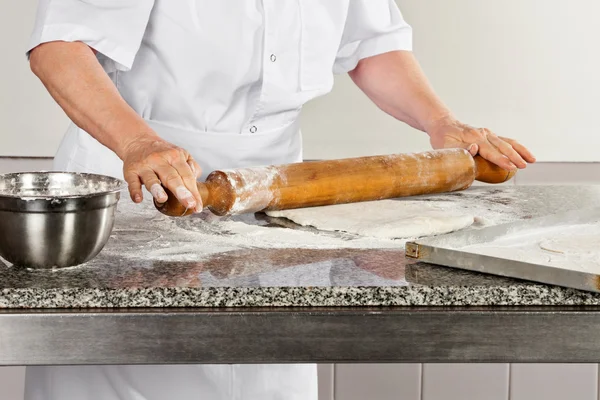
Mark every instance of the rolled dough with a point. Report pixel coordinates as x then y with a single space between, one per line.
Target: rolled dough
388 219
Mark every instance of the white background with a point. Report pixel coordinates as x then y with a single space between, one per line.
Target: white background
527 69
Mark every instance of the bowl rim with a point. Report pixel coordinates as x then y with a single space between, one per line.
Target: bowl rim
119 187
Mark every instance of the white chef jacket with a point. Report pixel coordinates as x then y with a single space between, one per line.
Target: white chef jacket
226 80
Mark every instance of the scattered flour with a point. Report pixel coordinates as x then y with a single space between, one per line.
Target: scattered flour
202 236
581 244
574 247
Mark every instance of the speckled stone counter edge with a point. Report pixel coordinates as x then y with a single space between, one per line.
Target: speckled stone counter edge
515 295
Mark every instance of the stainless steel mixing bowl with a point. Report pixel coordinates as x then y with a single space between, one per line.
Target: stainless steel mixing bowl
55 219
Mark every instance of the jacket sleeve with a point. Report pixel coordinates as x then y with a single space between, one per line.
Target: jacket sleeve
372 27
114 28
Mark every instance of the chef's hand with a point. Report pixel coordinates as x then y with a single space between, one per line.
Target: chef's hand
504 152
153 162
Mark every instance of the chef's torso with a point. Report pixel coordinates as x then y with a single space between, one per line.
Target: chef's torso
232 67
225 80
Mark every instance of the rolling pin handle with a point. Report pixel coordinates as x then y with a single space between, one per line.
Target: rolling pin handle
488 172
173 208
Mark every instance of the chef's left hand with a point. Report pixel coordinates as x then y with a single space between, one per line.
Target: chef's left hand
504 152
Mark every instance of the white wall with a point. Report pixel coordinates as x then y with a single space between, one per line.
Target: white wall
525 68
31 124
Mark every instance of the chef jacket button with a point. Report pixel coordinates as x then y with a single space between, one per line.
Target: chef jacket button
273 57
253 129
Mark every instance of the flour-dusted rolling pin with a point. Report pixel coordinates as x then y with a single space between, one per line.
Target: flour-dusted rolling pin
319 183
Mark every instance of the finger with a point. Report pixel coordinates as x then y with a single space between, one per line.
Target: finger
153 185
522 150
473 149
189 180
171 178
134 185
195 167
191 166
507 149
492 154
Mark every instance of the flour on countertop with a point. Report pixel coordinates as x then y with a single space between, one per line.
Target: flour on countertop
201 236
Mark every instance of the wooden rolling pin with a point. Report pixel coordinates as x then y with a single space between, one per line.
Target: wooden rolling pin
319 183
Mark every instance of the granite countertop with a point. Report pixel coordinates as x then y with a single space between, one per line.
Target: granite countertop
153 261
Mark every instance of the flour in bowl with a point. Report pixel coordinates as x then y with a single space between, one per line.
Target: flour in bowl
56 184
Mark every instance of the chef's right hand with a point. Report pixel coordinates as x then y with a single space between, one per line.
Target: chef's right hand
154 163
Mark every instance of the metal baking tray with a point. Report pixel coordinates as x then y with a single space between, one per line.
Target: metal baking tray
447 250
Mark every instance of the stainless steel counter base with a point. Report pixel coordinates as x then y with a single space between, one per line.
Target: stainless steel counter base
354 335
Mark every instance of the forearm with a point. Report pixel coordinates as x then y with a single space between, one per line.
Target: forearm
396 84
75 79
